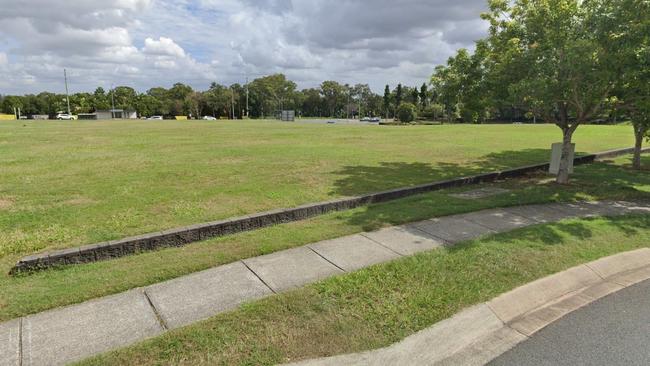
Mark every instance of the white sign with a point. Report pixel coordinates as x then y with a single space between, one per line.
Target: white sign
556 156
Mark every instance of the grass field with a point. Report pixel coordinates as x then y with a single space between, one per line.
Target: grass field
42 224
383 304
65 184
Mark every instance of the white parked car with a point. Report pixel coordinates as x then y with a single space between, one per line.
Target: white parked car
155 118
65 117
209 118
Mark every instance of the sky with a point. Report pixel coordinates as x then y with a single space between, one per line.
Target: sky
150 43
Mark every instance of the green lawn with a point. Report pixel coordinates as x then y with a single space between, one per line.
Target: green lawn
32 293
66 184
383 304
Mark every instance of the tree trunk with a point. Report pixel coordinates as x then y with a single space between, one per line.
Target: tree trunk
639 134
563 174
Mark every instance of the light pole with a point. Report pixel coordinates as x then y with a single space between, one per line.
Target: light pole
112 102
247 113
67 96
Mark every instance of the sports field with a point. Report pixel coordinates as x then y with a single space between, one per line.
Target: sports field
66 184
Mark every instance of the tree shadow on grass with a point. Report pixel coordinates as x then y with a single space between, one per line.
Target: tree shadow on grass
597 181
356 180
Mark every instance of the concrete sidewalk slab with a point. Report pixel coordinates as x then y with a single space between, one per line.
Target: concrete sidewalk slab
291 268
452 229
72 333
518 302
541 213
10 343
201 295
635 207
353 252
592 209
404 240
498 220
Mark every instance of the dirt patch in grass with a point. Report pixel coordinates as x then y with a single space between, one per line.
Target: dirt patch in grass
6 203
79 201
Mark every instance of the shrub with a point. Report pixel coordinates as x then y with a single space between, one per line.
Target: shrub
407 112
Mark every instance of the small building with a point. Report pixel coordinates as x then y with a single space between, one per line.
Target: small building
287 116
110 114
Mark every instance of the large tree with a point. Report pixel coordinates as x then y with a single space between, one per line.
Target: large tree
562 67
334 95
625 26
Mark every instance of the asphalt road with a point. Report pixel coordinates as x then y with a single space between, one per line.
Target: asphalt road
614 330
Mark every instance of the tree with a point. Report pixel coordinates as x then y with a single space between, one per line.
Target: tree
387 100
424 96
398 95
560 64
406 112
217 100
100 100
415 96
124 96
334 95
625 25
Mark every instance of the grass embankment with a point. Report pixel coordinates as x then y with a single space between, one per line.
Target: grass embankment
44 290
383 304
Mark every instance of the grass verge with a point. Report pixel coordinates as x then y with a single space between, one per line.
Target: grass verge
382 304
27 294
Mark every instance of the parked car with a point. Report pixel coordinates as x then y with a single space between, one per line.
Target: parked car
155 118
209 118
365 119
375 119
65 117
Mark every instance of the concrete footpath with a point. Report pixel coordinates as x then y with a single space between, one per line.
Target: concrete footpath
68 334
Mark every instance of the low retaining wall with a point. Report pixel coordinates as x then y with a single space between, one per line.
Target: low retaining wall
189 234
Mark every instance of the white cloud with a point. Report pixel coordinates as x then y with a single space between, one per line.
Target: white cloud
146 43
163 46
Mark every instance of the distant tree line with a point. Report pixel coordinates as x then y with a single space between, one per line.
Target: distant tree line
266 96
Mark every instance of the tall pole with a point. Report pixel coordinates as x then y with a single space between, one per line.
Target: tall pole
232 102
112 102
247 113
67 97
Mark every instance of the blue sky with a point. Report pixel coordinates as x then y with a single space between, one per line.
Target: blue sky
149 43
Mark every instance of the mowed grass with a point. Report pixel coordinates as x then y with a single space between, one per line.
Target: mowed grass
65 184
383 304
26 294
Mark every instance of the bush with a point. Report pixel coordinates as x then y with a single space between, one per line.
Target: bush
433 112
407 113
